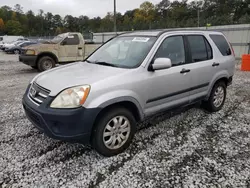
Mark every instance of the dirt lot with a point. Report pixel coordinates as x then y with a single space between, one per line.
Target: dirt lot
187 148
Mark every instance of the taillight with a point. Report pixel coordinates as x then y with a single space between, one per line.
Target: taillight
232 49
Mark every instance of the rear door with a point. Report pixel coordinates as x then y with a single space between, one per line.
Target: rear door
225 58
68 49
201 65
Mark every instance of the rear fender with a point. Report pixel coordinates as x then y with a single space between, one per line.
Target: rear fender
218 76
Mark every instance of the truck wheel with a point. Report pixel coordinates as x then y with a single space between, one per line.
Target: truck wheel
45 63
217 97
114 132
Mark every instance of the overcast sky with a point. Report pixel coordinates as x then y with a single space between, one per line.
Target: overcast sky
90 8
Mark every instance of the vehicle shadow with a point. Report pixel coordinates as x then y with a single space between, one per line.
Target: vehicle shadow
27 70
75 149
163 116
142 126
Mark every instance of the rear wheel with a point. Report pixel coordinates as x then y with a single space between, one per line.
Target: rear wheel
45 63
114 132
217 97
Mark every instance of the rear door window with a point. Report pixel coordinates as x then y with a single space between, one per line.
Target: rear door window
1 38
199 47
222 44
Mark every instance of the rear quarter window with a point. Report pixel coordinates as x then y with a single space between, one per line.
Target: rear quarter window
222 44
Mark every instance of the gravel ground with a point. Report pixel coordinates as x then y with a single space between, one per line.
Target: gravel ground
186 148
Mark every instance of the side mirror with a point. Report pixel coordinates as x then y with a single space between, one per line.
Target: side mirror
64 42
161 63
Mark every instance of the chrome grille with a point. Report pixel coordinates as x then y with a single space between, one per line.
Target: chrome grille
38 94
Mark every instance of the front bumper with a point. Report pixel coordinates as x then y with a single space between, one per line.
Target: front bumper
61 124
28 59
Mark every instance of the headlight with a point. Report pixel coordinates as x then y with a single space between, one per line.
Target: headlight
30 52
71 98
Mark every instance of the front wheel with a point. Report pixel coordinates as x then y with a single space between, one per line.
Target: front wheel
114 132
217 97
45 63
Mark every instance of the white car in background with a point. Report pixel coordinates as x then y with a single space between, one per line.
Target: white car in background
8 39
10 45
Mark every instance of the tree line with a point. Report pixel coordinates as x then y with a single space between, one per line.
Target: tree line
166 14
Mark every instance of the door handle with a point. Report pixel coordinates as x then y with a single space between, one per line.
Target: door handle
79 48
183 71
216 64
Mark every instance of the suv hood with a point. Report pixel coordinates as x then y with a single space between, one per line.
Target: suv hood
75 74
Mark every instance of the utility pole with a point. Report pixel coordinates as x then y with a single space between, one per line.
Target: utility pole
115 29
198 15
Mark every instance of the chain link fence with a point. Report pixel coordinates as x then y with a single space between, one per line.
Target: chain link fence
238 35
88 37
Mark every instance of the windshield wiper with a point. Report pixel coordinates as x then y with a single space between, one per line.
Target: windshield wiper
105 63
88 61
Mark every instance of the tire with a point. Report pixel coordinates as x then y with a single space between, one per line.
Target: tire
45 63
103 144
219 90
16 51
34 67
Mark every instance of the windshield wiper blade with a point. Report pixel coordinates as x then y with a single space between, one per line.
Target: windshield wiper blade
105 63
88 61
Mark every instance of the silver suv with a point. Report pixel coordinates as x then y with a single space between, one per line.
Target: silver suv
132 76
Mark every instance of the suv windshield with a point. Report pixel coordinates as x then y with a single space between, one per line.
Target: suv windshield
123 51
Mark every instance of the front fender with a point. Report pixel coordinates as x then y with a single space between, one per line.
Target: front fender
107 99
54 54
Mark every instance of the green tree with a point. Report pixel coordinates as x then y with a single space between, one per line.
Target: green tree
57 21
5 13
31 23
70 23
13 27
48 24
18 9
145 14
107 23
1 26
165 14
41 22
83 22
58 30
